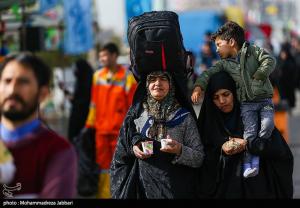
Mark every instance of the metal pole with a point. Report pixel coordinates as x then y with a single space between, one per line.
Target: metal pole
23 26
62 58
2 26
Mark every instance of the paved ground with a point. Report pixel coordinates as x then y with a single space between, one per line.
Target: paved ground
294 131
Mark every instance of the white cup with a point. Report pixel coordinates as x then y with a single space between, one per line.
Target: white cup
164 142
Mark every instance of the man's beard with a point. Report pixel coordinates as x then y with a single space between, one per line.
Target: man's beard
21 115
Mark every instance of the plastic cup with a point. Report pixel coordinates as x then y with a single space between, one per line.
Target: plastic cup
164 142
148 147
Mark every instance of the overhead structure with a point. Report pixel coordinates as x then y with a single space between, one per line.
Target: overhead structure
7 4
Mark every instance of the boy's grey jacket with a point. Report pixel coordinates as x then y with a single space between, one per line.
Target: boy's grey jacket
251 74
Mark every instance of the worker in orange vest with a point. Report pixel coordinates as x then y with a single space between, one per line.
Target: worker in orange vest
111 96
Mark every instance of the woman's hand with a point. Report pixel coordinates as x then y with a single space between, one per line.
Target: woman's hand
171 146
138 152
234 146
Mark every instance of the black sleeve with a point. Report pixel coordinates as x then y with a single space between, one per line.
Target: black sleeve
278 165
274 147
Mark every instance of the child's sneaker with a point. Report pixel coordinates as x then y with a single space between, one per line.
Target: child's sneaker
250 172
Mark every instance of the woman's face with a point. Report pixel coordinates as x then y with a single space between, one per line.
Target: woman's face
159 87
223 99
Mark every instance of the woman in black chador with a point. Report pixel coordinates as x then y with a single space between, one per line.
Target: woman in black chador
162 119
221 174
287 75
80 99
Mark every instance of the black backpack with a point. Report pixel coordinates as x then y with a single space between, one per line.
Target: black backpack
156 43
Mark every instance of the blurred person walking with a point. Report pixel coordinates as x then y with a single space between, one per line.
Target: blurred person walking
83 141
45 162
208 54
81 97
111 96
287 75
296 54
210 43
207 57
4 51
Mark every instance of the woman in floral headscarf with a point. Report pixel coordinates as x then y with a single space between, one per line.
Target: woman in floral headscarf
170 171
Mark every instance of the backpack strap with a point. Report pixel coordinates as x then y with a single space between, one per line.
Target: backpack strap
163 57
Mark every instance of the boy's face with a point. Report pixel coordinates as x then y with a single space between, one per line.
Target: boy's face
225 48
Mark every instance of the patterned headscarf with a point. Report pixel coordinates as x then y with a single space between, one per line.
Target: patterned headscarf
160 110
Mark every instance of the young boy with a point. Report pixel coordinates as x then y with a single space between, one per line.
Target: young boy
250 67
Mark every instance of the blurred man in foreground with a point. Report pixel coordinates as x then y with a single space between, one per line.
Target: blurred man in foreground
45 162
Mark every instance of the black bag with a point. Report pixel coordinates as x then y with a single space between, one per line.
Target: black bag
156 43
88 170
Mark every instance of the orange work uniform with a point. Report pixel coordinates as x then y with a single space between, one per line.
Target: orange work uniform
110 99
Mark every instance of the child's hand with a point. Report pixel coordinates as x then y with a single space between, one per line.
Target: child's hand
196 95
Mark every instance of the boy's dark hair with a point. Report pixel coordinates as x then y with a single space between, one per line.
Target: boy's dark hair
230 30
40 69
111 48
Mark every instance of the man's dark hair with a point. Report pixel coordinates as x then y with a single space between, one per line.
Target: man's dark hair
40 69
111 48
230 30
